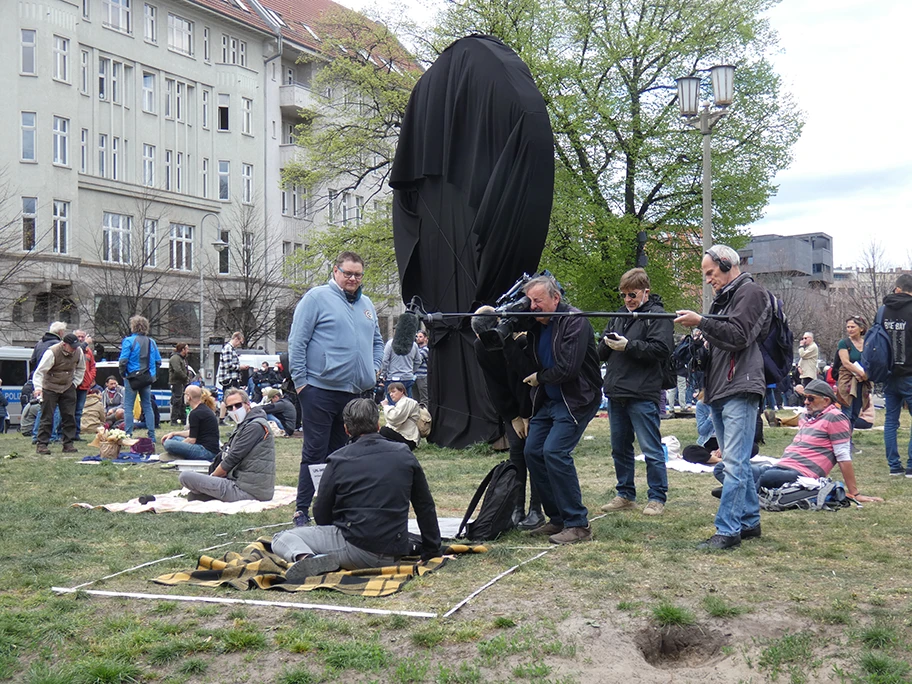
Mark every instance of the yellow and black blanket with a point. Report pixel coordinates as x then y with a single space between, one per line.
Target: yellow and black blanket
258 567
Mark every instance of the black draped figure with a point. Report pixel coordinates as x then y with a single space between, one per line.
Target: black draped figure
473 181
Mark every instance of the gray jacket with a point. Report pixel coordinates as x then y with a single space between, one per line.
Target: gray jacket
735 364
249 456
395 367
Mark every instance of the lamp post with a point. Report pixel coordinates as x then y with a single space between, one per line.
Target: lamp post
199 261
723 85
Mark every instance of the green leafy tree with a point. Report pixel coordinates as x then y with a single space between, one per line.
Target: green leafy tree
624 161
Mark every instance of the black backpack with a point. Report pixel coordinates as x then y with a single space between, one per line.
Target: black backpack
877 357
831 496
500 489
777 348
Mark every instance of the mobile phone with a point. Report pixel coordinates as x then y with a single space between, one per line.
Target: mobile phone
613 336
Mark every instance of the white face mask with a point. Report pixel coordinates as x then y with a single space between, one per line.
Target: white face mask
238 415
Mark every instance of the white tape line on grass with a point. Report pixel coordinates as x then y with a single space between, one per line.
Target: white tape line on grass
247 602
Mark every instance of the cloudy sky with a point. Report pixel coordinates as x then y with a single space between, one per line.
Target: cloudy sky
846 62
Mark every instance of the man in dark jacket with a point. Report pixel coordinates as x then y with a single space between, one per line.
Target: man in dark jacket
735 384
636 350
280 410
897 321
178 379
566 393
362 506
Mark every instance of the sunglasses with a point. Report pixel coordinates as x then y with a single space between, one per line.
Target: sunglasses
351 275
232 407
810 398
628 295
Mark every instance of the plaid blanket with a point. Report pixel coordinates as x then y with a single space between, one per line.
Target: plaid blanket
258 567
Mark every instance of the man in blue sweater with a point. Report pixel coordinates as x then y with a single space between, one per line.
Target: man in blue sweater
334 351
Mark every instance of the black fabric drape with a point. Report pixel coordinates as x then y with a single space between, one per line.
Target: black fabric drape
473 181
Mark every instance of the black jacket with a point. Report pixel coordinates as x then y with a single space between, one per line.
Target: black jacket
46 342
897 321
285 411
504 372
576 365
735 364
636 372
365 491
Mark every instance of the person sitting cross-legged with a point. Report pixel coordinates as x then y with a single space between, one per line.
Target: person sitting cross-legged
401 412
362 506
280 410
200 441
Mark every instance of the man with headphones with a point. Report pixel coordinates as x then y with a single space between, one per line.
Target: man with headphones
734 386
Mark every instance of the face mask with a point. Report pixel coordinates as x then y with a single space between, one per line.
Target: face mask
238 415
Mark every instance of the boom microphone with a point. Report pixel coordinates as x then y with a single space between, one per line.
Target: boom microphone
406 330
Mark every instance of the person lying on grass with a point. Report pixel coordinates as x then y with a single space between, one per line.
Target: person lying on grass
821 443
362 506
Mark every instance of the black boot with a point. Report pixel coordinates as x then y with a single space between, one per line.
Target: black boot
535 519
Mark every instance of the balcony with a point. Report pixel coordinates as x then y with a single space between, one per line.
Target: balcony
295 97
289 153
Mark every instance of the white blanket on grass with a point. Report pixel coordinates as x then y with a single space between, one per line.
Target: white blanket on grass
683 466
176 501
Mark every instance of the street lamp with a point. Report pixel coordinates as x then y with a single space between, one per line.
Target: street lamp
199 261
723 85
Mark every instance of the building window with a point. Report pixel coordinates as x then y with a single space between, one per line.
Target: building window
61 58
344 203
299 200
103 65
179 172
247 182
289 134
116 238
115 158
242 53
29 223
180 90
84 72
149 165
181 247
150 241
85 8
180 34
29 137
168 159
359 209
117 14
61 140
223 101
246 116
224 254
169 98
102 155
285 193
150 16
205 177
115 81
331 208
84 150
61 226
148 100
247 253
28 52
205 109
206 54
223 179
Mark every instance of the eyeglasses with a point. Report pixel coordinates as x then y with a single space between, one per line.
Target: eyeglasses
350 275
233 407
629 295
809 398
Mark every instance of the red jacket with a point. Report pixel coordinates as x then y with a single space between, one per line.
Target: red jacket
88 380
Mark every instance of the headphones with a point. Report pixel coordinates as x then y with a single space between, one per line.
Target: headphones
724 264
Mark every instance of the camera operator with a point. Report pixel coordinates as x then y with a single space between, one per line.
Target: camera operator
635 351
504 370
566 393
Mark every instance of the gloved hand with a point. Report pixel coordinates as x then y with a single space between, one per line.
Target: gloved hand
620 344
520 426
531 380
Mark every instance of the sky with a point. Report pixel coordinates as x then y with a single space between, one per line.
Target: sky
846 63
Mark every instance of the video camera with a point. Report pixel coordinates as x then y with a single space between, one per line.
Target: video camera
513 300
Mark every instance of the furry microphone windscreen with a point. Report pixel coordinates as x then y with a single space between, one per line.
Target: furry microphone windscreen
405 333
482 324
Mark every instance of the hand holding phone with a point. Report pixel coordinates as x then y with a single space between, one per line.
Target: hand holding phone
612 336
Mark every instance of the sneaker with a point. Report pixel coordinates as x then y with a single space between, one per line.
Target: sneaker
897 473
618 503
654 508
546 530
165 457
909 473
310 566
750 532
70 449
572 535
300 519
720 541
533 520
42 449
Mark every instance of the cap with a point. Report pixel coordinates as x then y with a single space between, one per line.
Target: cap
271 392
821 389
71 339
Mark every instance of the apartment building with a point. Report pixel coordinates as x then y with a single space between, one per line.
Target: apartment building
791 260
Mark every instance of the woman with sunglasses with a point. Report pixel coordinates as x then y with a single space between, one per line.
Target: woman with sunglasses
853 389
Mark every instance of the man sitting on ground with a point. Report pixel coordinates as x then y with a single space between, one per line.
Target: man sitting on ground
200 441
821 443
401 414
247 468
362 507
280 410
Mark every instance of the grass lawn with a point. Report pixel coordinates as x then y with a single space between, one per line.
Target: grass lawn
820 597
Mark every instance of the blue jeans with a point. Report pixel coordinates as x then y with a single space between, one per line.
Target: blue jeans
176 446
735 419
765 475
640 418
896 390
145 401
553 433
80 404
55 431
323 434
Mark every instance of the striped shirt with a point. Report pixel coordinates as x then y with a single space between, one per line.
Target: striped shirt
421 371
822 441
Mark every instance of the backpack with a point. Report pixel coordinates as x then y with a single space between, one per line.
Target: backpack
778 347
424 421
682 354
500 489
829 497
837 361
669 374
877 356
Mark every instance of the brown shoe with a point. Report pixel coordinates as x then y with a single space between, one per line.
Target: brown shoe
545 530
618 503
70 449
42 449
572 535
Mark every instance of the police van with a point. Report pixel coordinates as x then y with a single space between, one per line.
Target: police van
14 372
